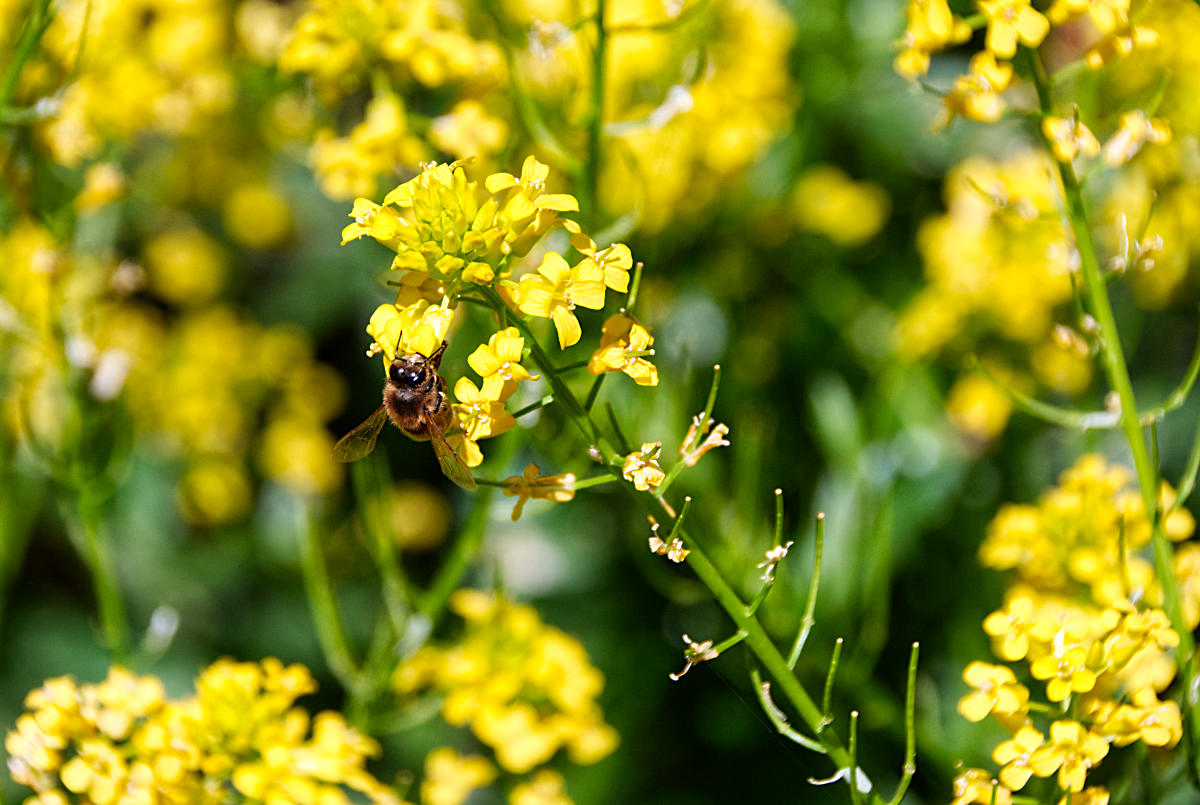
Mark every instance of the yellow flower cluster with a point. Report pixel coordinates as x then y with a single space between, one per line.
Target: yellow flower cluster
1086 618
524 688
454 238
115 69
976 95
194 382
997 263
693 126
239 739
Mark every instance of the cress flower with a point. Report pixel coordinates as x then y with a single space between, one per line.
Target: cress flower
932 27
641 468
614 261
996 690
694 654
1010 21
532 484
554 291
1071 751
498 363
1069 137
239 738
624 345
526 689
479 416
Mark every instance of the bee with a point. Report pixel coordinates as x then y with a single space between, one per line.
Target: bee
414 397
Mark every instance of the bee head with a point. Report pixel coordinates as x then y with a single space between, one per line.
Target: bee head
404 372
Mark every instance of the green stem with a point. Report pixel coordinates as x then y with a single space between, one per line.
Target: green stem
591 169
35 26
370 486
764 650
561 392
323 606
1115 368
470 540
810 607
91 538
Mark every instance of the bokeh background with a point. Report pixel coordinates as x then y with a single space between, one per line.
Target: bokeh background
181 342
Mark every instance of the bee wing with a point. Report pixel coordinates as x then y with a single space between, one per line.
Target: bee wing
361 441
452 466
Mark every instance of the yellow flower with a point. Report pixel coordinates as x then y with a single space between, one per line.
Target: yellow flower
450 777
615 260
978 407
624 345
102 184
257 215
641 468
382 223
1015 755
996 691
1069 137
480 417
976 94
418 328
931 28
1072 752
547 787
1135 130
532 484
468 130
1092 795
1106 15
977 786
524 688
1009 21
497 362
526 210
555 290
828 202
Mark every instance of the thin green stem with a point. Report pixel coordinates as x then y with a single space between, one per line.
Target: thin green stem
323 605
910 727
776 716
534 406
852 777
35 25
370 487
1112 359
1055 415
591 169
699 426
634 287
810 608
830 675
561 392
1188 481
91 534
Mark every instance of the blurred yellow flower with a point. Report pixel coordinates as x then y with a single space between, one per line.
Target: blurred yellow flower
185 266
258 216
1009 21
828 202
450 777
524 688
1069 137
